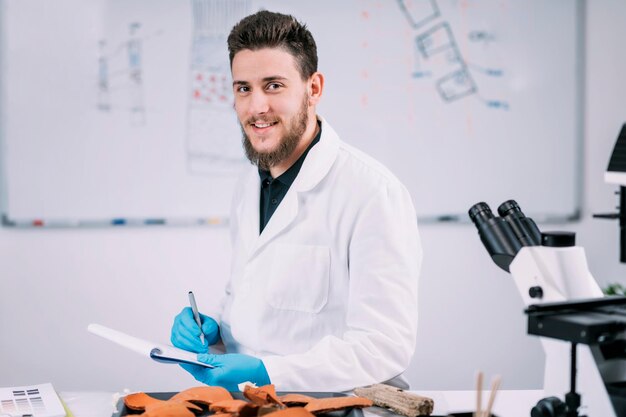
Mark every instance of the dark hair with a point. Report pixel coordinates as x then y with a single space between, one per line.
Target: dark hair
275 30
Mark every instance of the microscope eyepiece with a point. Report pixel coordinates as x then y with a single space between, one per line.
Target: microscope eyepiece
480 211
509 206
524 227
496 234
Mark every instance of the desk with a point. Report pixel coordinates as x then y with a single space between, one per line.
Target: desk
508 403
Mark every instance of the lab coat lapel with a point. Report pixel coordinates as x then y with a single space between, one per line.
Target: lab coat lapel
248 214
248 211
284 215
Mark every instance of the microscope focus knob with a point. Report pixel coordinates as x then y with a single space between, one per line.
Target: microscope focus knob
558 239
549 407
535 292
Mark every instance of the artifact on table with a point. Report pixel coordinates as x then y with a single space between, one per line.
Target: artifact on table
261 401
399 401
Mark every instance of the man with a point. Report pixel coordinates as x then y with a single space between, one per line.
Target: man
326 253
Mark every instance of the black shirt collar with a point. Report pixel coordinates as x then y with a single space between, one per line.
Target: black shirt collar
289 176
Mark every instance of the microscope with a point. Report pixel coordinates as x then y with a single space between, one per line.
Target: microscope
616 174
582 332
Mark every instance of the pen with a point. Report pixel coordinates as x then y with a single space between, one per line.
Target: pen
196 315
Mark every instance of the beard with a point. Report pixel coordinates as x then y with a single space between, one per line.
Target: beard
286 145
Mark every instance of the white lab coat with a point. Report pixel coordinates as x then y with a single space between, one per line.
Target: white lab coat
327 294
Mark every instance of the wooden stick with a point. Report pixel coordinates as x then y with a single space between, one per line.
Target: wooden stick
479 392
495 384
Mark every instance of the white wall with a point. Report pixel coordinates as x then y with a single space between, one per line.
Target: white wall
54 282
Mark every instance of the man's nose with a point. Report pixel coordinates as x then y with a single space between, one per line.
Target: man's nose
259 103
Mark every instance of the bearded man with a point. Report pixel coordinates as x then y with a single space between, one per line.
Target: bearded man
326 252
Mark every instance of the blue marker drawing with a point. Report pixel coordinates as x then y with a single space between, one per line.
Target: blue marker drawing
495 104
480 36
435 46
493 72
421 74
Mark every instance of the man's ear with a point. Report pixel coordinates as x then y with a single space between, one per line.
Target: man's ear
315 87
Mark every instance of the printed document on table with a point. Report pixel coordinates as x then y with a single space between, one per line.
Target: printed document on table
157 351
39 400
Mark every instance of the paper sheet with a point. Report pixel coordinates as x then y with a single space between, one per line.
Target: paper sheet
157 351
38 400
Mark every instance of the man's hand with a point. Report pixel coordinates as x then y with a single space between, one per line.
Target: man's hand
186 333
229 370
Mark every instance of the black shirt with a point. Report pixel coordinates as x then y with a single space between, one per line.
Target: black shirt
274 189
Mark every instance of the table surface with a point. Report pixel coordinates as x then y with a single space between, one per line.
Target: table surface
508 403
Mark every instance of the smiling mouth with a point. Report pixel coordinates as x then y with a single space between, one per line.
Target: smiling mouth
262 125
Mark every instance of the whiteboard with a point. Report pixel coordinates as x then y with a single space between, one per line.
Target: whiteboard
123 108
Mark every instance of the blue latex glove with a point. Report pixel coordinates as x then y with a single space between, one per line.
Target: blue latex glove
186 333
230 370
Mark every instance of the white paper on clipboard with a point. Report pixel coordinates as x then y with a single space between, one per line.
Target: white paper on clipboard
159 352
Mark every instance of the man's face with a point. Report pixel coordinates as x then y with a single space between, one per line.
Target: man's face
271 102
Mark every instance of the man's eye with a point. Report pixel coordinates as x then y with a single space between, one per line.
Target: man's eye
243 89
273 86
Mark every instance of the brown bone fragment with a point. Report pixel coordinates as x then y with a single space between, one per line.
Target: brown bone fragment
324 405
168 409
295 399
206 395
265 395
292 412
232 406
140 400
268 409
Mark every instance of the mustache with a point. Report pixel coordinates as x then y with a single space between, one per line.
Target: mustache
265 119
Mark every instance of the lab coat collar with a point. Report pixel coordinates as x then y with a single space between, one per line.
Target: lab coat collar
315 167
319 160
